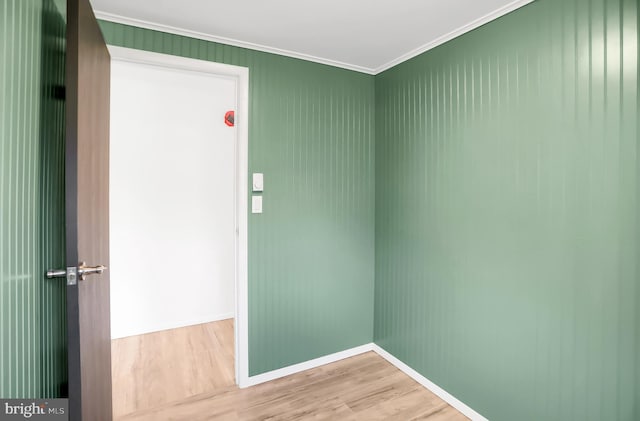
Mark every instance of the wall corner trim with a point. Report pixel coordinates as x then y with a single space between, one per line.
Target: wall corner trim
307 365
428 384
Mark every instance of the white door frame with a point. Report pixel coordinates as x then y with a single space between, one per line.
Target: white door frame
241 75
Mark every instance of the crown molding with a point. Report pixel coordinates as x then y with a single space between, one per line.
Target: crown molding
287 53
228 41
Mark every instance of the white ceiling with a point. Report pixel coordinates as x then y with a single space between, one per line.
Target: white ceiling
361 35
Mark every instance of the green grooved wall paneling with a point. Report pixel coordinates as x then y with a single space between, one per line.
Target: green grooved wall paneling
507 181
32 323
311 133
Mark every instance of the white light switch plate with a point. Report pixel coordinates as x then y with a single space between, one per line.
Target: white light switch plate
258 182
256 204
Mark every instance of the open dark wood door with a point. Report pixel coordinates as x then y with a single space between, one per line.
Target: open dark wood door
87 201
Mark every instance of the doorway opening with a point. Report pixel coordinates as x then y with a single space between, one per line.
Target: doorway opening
178 210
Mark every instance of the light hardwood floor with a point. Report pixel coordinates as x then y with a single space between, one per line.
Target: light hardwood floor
156 368
187 374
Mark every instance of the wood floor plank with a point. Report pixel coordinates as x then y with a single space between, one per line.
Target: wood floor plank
188 374
407 406
383 389
156 368
447 413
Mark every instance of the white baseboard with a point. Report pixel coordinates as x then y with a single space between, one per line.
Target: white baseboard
328 359
296 368
437 390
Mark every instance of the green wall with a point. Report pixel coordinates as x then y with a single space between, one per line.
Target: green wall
32 336
507 182
311 132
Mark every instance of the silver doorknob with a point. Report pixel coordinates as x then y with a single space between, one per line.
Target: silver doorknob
74 273
84 270
56 273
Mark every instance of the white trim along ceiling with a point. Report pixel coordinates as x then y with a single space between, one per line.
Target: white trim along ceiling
359 35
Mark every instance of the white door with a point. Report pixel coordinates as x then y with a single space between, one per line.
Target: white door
172 197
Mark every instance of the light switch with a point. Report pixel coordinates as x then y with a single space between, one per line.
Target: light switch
258 182
256 204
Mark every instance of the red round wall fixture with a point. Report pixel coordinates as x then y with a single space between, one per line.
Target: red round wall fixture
229 118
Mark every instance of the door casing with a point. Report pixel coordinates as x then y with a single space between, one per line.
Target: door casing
241 75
